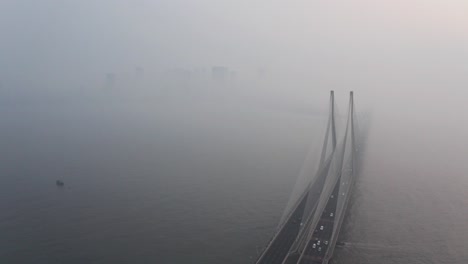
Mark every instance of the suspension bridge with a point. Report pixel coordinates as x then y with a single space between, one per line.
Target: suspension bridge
310 230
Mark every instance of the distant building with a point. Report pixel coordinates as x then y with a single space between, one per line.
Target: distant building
220 73
139 73
110 81
261 72
179 74
233 75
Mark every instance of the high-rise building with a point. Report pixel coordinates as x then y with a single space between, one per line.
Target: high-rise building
110 81
220 73
139 73
179 74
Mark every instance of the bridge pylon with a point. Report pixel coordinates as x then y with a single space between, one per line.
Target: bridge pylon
308 233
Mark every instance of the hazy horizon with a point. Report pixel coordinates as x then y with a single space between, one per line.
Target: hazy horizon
181 125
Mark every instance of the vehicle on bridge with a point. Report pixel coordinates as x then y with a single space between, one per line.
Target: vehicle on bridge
310 231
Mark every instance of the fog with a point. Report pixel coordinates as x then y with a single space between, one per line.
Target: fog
201 113
414 48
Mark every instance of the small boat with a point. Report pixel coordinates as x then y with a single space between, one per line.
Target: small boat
59 183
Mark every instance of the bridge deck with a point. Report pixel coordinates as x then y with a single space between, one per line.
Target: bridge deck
308 236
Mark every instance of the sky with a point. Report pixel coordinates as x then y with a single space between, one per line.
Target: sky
410 46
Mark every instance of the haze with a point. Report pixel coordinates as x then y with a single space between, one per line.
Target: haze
200 113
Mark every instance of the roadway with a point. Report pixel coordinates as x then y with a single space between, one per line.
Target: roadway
278 249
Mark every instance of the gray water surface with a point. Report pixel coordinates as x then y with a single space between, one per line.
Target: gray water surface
182 182
207 182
